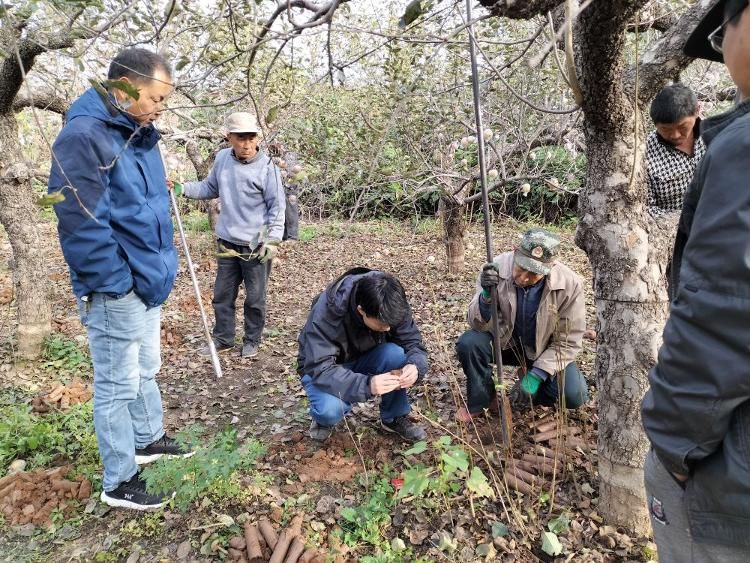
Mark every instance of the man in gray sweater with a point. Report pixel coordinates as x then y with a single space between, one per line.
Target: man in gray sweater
250 227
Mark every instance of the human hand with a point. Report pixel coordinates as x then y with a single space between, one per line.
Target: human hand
490 277
680 477
176 186
530 384
268 250
384 383
409 376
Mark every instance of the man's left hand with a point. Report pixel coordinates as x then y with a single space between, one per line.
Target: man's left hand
268 251
409 376
681 478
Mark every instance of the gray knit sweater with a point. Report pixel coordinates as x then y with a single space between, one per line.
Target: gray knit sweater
252 198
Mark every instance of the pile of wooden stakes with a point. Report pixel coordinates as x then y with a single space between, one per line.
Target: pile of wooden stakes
261 543
528 474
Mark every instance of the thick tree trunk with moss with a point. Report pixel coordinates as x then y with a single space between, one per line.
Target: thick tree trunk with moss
18 215
625 249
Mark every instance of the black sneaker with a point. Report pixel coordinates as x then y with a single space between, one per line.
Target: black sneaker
163 446
132 494
320 433
405 428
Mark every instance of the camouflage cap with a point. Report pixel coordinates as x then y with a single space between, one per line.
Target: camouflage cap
537 250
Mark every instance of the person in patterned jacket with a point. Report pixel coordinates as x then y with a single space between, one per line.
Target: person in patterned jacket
674 150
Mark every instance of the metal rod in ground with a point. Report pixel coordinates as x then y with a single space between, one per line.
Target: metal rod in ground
206 330
504 409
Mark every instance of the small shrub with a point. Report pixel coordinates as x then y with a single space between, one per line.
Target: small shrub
307 233
212 464
63 355
43 439
365 523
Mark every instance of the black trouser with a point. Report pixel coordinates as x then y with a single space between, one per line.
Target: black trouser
230 274
475 354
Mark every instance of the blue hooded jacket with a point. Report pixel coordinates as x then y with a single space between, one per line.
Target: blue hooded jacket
115 225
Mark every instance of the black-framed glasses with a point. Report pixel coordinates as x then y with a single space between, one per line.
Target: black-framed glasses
716 37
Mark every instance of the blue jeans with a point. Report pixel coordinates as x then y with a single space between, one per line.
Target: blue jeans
124 338
327 409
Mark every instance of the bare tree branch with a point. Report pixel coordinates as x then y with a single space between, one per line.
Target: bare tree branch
662 23
15 66
664 60
520 9
48 101
724 95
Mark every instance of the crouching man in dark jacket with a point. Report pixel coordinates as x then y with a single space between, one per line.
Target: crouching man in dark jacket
697 412
360 341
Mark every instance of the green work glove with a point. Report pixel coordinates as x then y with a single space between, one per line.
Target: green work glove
176 187
268 250
530 383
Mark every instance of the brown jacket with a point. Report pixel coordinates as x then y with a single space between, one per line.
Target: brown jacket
560 320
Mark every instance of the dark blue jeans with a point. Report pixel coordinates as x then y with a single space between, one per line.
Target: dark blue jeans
475 354
327 409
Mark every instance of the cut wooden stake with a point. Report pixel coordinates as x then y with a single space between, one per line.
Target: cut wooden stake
282 546
254 553
544 465
295 550
309 555
524 475
553 434
268 533
525 465
235 554
515 483
549 453
544 420
573 442
295 527
546 426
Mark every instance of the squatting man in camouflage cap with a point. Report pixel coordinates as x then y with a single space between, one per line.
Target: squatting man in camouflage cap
541 317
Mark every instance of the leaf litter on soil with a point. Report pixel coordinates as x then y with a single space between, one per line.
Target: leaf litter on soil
262 397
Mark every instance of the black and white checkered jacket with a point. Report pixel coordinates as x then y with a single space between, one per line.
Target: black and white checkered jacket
669 173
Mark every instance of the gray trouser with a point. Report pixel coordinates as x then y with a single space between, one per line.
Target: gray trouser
666 504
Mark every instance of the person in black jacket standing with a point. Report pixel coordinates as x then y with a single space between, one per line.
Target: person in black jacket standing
360 341
697 411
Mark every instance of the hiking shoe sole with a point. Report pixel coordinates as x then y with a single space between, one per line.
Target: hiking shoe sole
144 459
124 503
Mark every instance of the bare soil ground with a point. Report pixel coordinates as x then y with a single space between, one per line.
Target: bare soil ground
262 397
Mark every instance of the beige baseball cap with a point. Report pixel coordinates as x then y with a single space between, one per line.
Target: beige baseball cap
242 122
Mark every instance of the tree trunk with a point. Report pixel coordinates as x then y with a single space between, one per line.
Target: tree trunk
627 252
214 209
18 216
454 227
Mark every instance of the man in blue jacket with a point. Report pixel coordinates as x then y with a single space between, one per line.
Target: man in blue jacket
360 341
115 231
